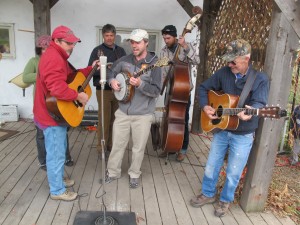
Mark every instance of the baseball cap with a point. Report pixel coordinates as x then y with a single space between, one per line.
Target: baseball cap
236 48
169 29
63 32
138 35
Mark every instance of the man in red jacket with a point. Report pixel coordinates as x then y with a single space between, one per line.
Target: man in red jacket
54 70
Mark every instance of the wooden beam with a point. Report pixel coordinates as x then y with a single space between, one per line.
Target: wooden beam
282 44
291 10
41 12
187 6
51 2
210 10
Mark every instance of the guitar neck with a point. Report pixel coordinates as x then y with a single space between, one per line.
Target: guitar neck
235 111
144 71
89 77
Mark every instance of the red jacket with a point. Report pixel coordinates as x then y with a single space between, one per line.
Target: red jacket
53 73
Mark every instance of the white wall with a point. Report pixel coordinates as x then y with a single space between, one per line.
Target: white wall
82 16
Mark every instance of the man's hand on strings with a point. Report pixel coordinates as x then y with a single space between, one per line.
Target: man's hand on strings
135 81
181 42
210 112
115 84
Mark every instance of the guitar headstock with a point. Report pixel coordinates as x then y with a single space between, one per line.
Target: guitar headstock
272 112
164 61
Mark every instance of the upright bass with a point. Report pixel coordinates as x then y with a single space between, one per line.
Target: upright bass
178 87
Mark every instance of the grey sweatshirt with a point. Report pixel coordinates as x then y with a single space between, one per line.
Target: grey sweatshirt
143 101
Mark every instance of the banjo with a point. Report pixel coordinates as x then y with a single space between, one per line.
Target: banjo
126 89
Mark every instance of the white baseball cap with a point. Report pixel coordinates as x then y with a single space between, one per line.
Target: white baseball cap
138 35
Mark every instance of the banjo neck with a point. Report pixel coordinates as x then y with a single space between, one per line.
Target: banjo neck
141 72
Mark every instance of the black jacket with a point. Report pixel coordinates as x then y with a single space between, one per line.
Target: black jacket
112 55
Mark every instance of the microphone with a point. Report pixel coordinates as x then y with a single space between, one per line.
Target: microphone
103 62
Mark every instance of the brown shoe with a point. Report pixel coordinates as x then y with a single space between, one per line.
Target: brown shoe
68 182
66 196
221 209
201 200
180 157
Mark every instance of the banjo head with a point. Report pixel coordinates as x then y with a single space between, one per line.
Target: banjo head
123 94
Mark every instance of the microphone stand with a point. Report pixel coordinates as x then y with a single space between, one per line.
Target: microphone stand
103 217
103 220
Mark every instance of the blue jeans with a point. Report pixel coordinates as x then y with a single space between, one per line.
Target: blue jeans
239 147
40 144
56 144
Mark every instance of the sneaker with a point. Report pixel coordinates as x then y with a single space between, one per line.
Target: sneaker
69 162
293 162
201 200
109 179
66 196
68 182
221 209
133 182
180 157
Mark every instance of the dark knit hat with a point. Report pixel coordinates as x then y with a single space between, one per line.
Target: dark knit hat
169 29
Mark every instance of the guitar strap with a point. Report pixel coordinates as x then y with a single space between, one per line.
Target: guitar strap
247 88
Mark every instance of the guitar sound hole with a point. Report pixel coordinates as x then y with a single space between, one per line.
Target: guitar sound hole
218 113
215 121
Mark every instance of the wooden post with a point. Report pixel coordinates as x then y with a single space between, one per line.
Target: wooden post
278 65
41 12
210 9
291 9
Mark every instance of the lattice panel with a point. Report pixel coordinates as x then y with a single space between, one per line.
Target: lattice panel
249 20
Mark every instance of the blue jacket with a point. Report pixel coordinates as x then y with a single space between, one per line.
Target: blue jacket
224 80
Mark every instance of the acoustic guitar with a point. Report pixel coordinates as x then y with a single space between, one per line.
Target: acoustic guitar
225 104
71 112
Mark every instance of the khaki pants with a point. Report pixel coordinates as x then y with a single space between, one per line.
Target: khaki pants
110 104
138 126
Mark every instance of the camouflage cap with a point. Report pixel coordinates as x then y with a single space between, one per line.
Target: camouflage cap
236 48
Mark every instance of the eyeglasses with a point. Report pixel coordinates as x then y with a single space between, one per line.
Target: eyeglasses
232 62
69 43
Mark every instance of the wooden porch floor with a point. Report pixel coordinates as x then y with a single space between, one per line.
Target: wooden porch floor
162 198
